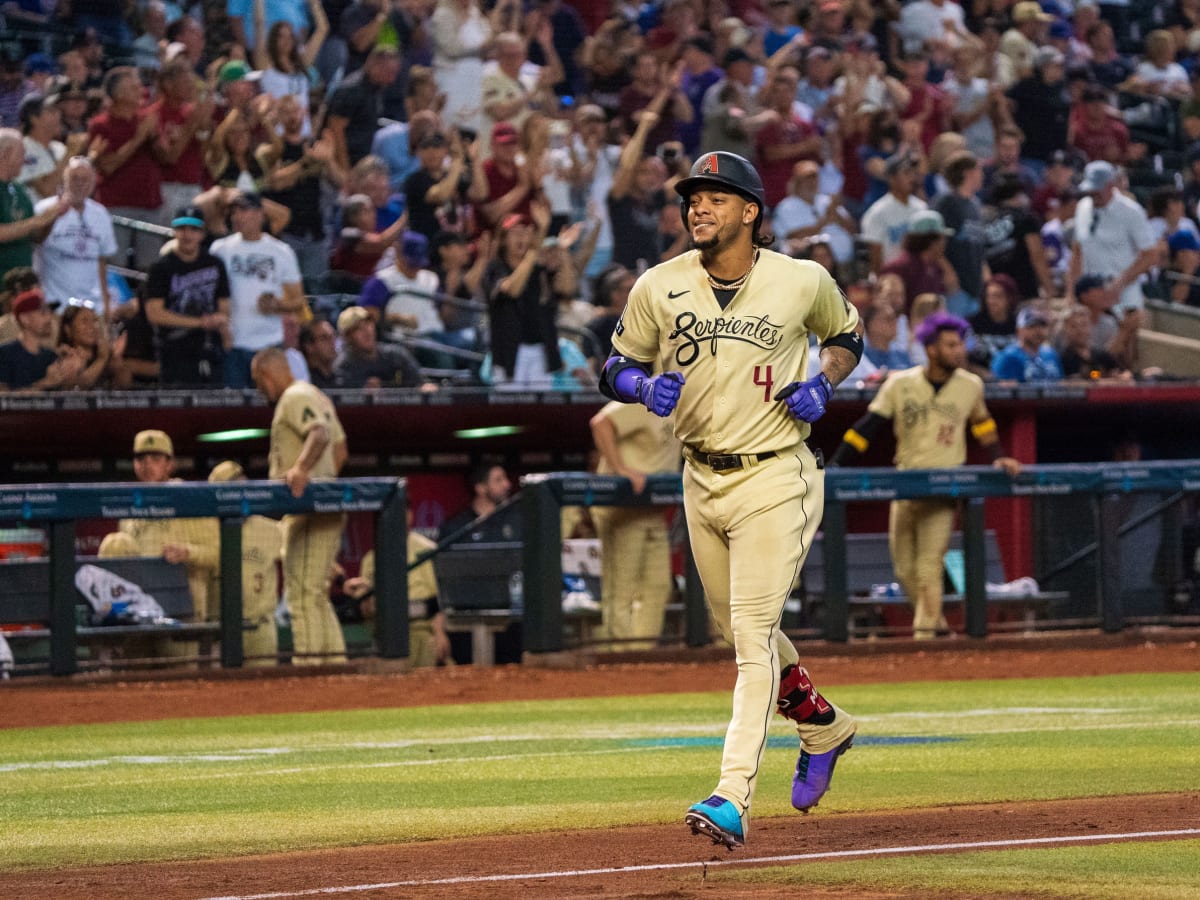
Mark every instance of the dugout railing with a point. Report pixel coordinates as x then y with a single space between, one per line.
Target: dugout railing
1102 488
57 508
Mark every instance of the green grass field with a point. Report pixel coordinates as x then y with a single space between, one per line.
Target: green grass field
190 788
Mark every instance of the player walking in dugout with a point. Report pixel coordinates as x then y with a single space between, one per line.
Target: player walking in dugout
307 443
928 406
727 326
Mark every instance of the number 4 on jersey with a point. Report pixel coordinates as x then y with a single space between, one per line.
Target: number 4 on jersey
762 376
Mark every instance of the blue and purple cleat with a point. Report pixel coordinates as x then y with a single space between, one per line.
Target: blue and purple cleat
717 818
814 772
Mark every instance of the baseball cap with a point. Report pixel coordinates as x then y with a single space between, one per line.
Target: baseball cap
862 42
1089 283
350 318
1048 56
28 301
1031 316
1061 158
504 133
590 112
928 221
246 200
152 441
236 70
899 162
414 247
1183 240
40 62
1029 11
1097 175
1007 186
227 471
188 217
735 55
433 139
1060 30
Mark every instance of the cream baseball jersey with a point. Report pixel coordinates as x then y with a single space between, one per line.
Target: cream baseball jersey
734 359
300 408
930 423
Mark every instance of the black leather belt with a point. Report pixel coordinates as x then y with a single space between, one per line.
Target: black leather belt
728 462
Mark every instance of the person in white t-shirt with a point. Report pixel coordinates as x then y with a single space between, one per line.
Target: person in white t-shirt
930 20
805 212
71 260
41 172
886 221
1112 238
264 285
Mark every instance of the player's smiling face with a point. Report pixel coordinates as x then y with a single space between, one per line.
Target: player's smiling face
715 217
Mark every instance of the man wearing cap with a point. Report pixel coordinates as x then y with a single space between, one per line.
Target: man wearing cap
357 103
72 259
435 187
193 542
402 297
262 549
365 363
806 212
1112 236
885 222
1029 358
264 285
1013 239
45 155
1042 107
1028 31
19 226
922 263
1098 131
130 174
307 443
731 111
500 183
26 364
1115 335
187 300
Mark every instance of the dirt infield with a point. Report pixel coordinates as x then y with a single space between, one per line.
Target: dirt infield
531 866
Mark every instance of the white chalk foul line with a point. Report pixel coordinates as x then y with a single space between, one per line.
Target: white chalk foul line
659 867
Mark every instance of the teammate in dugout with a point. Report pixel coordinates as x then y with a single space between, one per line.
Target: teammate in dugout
928 406
726 327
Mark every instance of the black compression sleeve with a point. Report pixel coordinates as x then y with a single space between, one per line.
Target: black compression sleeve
857 438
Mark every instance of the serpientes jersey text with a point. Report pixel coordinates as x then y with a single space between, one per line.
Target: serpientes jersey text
734 359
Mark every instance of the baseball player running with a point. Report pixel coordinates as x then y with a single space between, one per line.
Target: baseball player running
928 406
726 327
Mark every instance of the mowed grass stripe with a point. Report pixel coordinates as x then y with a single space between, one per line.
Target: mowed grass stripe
473 770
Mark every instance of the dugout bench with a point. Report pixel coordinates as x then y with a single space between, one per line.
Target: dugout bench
870 565
25 604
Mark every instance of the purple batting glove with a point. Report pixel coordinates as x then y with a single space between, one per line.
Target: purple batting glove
660 393
806 399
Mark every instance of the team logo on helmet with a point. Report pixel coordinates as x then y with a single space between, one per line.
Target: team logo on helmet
709 166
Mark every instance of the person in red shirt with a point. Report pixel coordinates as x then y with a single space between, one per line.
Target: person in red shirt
1096 128
922 264
184 125
928 105
499 184
786 139
130 175
649 78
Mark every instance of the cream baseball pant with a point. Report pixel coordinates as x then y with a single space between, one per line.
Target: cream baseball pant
750 531
310 544
260 644
918 535
635 575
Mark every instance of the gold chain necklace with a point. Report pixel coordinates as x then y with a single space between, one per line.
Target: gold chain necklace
718 285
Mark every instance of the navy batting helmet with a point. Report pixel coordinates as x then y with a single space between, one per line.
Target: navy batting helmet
723 169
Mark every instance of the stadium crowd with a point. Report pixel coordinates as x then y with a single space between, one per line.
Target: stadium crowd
408 192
